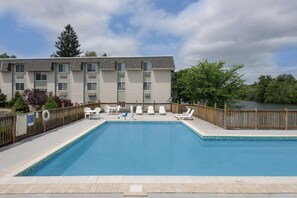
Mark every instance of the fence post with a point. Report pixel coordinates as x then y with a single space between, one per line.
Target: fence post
225 116
13 129
63 113
204 116
256 118
214 114
286 119
171 106
44 123
154 105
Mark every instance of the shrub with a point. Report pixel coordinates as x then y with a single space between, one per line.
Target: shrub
2 99
51 104
21 106
35 98
59 101
17 95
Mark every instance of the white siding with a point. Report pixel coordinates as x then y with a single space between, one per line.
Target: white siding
50 82
6 84
76 85
108 86
161 86
134 86
29 80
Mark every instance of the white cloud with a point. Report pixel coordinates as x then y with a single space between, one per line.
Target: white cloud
246 32
90 19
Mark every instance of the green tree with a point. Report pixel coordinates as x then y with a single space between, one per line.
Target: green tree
2 99
90 54
21 106
178 85
211 83
4 55
282 90
261 87
67 44
51 104
17 95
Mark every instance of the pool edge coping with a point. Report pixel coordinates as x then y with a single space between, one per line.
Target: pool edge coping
22 167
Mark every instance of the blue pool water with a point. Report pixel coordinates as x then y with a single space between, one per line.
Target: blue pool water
132 148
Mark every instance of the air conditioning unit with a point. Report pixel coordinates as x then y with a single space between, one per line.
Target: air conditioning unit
92 75
63 94
63 75
20 75
91 93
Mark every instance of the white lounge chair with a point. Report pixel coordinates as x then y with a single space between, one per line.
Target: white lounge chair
97 113
183 114
118 109
187 117
107 109
132 112
162 110
150 110
138 110
87 111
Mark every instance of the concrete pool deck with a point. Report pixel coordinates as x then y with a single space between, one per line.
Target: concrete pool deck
15 158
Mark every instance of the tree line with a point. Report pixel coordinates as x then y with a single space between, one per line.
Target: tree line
280 90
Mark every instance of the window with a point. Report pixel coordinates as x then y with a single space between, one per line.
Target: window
121 103
121 86
147 66
92 99
91 86
19 86
63 68
92 67
19 68
147 86
121 67
147 96
62 86
40 76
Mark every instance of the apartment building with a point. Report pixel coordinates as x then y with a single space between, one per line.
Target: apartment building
87 79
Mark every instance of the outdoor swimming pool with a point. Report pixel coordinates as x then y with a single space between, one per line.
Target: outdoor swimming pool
162 148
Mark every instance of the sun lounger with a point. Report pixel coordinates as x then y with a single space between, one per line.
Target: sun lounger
186 117
87 111
118 109
162 110
138 110
183 114
97 112
150 110
107 109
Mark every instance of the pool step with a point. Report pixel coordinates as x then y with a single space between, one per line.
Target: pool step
135 190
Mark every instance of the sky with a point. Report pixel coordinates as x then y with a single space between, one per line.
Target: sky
262 35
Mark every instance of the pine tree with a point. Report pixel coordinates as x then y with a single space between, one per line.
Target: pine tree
50 104
67 44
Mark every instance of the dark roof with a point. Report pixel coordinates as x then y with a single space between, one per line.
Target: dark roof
106 63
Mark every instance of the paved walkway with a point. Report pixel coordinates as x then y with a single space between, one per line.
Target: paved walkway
17 157
166 195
